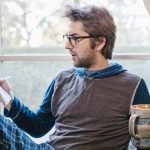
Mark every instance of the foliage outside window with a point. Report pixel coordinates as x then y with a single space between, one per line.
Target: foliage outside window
39 23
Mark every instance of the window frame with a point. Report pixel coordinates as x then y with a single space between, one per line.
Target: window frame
66 57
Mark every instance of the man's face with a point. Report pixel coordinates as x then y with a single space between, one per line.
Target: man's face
80 49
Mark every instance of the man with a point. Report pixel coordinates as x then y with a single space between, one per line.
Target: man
88 104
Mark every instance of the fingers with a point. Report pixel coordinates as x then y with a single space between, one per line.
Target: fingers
4 79
5 85
1 81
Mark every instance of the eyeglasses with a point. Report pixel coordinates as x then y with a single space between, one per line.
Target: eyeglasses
74 40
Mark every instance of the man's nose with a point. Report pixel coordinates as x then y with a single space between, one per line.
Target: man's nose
68 45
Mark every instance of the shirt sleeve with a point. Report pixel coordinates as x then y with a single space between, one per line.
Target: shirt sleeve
142 95
36 124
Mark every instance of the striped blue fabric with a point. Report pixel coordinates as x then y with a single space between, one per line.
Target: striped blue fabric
13 138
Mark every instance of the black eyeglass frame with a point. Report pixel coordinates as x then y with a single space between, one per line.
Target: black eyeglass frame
72 37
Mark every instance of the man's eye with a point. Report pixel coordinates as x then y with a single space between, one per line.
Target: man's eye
74 38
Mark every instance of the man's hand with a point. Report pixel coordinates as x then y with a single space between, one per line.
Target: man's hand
5 86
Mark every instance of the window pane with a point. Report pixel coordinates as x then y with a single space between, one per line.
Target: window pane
40 25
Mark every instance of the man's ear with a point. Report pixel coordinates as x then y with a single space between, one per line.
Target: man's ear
100 44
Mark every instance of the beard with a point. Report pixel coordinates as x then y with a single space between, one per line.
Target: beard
85 62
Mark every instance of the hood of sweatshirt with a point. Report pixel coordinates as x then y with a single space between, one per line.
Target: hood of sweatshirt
114 69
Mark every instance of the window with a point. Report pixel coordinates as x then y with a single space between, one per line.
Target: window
32 50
